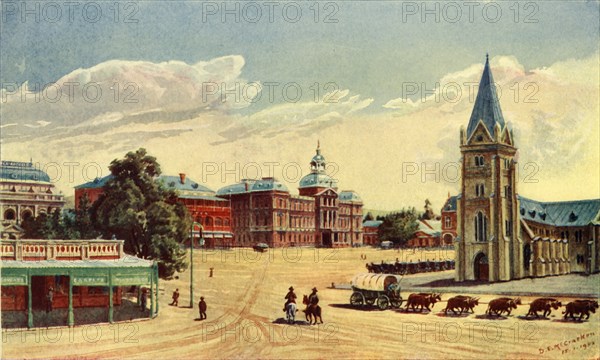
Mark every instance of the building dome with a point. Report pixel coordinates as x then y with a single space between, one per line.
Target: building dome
22 171
317 180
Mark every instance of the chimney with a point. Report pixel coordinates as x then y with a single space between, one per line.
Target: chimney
182 177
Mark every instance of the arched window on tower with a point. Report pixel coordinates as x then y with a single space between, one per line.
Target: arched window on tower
480 227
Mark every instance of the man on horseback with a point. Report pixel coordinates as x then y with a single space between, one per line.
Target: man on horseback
290 297
313 299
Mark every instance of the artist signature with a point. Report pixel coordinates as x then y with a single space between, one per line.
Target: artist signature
569 346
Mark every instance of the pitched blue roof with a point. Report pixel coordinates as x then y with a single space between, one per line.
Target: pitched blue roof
22 171
487 106
174 183
349 195
372 223
562 213
247 185
450 204
96 183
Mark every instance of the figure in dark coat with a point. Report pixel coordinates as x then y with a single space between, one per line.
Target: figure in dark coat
202 308
290 297
175 298
49 299
313 299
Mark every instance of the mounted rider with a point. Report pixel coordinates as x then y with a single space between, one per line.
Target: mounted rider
313 299
290 297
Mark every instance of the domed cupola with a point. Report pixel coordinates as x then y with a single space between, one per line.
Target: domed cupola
317 164
317 180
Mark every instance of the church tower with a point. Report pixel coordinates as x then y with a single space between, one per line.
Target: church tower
487 244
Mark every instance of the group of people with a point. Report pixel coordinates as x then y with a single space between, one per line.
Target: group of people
201 304
290 297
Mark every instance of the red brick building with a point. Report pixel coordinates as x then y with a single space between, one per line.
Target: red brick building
427 235
370 232
449 222
264 211
212 212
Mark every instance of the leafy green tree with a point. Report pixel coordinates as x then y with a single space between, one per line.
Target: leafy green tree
399 227
136 208
33 227
83 220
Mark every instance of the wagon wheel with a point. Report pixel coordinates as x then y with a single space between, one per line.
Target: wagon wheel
357 299
383 302
397 302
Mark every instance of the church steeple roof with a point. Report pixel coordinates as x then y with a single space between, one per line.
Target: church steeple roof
487 107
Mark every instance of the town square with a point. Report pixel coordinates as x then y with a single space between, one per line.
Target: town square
283 180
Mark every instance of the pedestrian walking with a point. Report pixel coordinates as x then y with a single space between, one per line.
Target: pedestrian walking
175 298
211 272
202 308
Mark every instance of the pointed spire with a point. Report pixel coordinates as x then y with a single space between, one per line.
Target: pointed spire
318 147
487 106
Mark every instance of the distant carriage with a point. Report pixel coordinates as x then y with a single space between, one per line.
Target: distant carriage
380 289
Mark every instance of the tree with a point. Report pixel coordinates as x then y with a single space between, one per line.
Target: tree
399 227
136 208
428 214
369 217
83 220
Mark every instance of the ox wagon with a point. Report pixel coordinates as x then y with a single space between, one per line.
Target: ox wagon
383 289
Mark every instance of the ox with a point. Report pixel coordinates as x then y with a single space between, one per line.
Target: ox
581 307
423 300
500 305
461 302
543 304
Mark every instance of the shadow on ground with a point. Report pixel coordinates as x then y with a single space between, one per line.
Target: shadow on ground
283 321
450 314
358 308
490 317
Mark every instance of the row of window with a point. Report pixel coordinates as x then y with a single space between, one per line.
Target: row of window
479 161
210 221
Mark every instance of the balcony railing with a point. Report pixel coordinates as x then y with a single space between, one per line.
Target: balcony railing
33 250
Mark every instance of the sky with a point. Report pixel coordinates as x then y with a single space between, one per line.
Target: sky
221 90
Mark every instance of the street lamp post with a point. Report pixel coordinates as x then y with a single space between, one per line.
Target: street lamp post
192 262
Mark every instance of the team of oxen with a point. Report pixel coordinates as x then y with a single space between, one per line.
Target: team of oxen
497 307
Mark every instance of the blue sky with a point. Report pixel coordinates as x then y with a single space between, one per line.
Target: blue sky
369 51
373 46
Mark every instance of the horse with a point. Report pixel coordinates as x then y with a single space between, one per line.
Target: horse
312 311
290 312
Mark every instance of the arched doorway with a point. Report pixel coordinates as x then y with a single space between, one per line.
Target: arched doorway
481 267
447 239
25 215
526 258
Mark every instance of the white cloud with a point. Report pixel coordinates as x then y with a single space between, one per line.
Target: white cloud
559 134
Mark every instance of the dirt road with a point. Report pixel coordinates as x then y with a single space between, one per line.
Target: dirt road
245 319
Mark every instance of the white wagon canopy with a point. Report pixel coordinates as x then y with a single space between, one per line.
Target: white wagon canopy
374 282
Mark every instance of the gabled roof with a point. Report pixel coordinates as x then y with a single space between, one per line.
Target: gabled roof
96 183
349 195
487 107
249 185
372 223
174 183
560 213
430 227
450 204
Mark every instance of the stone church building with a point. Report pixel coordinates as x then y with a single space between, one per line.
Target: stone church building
501 235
